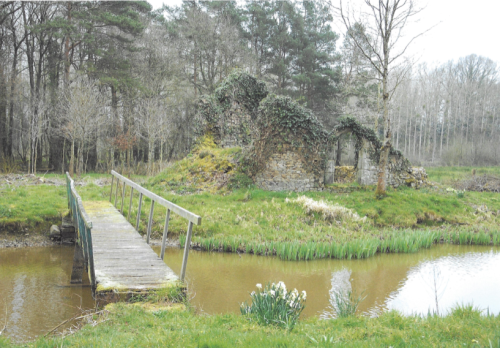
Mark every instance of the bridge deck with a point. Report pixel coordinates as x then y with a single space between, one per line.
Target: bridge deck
123 261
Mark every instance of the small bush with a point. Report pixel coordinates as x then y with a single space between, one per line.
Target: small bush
240 180
273 305
9 166
345 303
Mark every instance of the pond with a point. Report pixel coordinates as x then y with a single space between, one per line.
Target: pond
36 294
445 275
35 291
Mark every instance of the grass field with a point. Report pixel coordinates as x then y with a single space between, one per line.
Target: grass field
133 326
252 220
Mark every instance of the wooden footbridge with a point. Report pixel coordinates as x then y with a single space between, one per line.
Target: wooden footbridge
119 262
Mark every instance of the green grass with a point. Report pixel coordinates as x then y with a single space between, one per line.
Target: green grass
262 222
33 207
133 326
448 175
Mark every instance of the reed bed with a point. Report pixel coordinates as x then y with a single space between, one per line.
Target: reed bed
404 241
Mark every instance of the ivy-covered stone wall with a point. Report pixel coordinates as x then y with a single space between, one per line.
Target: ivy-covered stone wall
230 113
285 171
399 171
285 146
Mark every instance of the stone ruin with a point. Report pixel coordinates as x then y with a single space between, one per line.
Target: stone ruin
286 148
398 173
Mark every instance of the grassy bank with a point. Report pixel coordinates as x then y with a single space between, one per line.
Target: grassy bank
294 226
133 326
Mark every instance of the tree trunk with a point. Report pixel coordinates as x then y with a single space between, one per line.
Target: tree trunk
386 144
151 155
3 114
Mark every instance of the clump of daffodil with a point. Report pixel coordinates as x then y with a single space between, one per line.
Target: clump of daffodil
274 305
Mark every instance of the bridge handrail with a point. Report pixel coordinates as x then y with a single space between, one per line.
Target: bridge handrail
167 204
191 217
83 224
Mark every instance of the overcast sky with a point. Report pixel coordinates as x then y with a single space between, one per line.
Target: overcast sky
462 27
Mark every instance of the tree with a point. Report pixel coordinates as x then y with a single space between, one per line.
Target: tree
378 45
81 116
316 73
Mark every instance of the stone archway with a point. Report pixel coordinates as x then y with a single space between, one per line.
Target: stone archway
367 154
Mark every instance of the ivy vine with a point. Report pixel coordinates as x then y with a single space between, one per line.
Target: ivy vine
360 132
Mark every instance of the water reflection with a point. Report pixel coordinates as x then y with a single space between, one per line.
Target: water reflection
438 285
35 292
410 283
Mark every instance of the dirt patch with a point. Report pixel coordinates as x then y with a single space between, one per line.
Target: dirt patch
24 240
31 179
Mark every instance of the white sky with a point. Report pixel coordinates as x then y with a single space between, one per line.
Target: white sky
462 27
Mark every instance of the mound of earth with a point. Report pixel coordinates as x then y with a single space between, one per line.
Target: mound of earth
483 183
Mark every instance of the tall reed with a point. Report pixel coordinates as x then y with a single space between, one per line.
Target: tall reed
404 241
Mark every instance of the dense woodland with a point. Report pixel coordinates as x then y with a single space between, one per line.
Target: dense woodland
90 86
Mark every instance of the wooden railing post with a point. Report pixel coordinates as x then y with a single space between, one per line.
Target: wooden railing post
130 203
150 221
123 196
111 191
186 250
165 232
139 212
116 193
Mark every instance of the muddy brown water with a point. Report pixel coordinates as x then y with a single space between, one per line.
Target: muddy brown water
410 283
35 292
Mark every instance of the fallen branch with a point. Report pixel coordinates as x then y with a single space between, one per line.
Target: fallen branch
76 317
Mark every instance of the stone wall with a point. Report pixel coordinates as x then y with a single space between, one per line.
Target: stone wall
345 174
286 172
330 172
397 174
236 127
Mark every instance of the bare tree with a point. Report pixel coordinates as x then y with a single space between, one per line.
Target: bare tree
153 122
81 114
381 45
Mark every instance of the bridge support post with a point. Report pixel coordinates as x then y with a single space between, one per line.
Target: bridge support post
78 265
186 251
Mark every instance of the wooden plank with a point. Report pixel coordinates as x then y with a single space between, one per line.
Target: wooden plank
122 258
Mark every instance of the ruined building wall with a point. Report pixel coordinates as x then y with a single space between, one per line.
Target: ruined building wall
235 126
397 173
286 171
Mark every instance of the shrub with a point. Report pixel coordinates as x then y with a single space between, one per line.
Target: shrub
345 303
273 305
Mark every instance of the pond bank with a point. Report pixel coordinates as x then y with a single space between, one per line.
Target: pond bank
128 325
25 240
34 239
